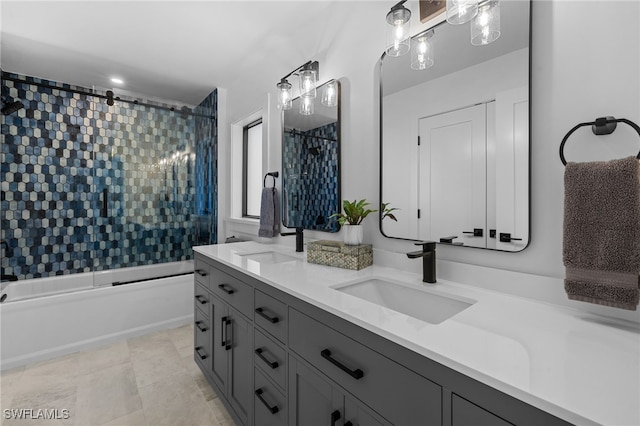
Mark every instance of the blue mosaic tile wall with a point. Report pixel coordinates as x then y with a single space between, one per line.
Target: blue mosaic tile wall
311 177
88 187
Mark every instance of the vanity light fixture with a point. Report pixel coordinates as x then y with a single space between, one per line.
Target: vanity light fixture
308 74
117 80
485 28
398 37
330 94
422 51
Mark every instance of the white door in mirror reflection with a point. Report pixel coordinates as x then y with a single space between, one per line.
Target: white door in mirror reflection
512 176
473 173
452 171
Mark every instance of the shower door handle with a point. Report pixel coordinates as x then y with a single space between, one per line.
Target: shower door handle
104 208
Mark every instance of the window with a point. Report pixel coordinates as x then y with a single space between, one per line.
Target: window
251 168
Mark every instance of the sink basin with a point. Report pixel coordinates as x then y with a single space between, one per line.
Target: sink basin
269 257
414 302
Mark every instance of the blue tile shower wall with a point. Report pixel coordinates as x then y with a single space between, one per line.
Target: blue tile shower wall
66 153
311 176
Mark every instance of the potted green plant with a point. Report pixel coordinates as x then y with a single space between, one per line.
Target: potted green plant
354 214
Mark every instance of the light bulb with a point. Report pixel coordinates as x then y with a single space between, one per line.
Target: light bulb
330 94
284 95
306 106
461 11
422 51
485 28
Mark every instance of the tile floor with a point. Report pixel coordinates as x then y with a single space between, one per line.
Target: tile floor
150 380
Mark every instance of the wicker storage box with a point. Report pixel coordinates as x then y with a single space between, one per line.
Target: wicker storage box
337 253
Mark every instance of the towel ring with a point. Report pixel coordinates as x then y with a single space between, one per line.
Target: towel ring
274 175
601 126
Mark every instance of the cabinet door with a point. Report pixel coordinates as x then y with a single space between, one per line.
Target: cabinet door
240 351
219 330
312 399
357 414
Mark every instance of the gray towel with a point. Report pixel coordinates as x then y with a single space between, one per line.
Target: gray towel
601 247
269 213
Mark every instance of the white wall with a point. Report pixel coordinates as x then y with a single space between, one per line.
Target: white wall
586 64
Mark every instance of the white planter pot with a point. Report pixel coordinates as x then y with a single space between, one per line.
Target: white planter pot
352 234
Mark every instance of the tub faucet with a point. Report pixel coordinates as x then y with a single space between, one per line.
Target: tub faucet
299 238
428 255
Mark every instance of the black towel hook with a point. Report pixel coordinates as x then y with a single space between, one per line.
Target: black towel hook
601 126
274 175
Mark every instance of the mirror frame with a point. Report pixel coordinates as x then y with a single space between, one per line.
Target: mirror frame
381 144
339 160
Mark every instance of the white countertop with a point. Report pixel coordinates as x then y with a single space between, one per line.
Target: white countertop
577 366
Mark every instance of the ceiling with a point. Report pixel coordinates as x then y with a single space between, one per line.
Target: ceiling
172 50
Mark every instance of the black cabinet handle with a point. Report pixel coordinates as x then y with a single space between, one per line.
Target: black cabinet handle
477 232
356 374
272 364
227 339
272 410
223 331
335 416
201 355
201 299
272 320
201 272
506 237
200 326
226 288
104 209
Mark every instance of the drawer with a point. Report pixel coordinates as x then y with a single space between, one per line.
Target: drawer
464 413
397 393
202 341
232 291
271 314
202 298
202 270
271 358
269 404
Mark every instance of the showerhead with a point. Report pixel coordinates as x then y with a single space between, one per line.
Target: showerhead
314 150
11 107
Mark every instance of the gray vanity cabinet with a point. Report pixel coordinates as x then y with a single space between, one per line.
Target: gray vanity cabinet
314 400
224 338
276 360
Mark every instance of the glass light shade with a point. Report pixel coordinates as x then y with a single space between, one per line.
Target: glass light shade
461 11
284 95
306 106
422 52
485 28
308 79
330 94
398 41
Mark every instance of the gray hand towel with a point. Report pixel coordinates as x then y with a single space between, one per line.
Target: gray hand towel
269 213
601 247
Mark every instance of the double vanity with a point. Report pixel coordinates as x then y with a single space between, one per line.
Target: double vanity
286 342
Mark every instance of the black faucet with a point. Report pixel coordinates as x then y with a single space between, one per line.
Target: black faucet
299 238
428 255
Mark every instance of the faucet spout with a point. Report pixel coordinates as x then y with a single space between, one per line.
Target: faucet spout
428 255
299 238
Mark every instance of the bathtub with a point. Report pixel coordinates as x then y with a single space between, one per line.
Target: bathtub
45 318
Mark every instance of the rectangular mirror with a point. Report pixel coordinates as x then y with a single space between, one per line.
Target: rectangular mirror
311 161
454 139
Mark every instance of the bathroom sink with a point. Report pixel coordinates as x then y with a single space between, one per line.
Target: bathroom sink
414 302
269 257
